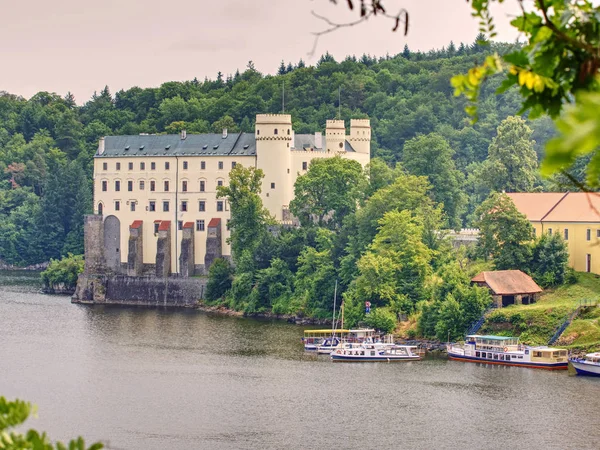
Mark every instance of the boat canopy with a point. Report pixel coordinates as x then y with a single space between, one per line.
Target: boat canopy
327 332
490 337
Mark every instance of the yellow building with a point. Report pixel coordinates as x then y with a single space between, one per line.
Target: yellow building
574 215
159 179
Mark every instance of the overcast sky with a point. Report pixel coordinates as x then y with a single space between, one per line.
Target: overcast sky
81 45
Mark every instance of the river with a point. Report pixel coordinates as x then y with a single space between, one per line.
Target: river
140 378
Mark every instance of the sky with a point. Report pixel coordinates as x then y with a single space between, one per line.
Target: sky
81 45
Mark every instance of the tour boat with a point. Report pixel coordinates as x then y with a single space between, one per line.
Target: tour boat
507 351
314 338
589 365
374 352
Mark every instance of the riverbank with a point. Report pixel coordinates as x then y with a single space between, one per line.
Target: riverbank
536 324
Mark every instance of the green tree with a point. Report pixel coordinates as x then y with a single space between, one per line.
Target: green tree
220 276
249 218
431 156
63 273
512 161
550 260
505 233
381 319
13 414
331 189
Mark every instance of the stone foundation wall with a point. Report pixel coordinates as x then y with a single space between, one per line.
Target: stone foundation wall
140 291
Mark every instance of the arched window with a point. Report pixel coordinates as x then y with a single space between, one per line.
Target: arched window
100 208
288 131
275 131
257 132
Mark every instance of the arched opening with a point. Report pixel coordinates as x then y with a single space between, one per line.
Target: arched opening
100 208
275 132
112 243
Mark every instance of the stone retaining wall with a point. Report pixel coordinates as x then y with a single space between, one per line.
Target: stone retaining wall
140 291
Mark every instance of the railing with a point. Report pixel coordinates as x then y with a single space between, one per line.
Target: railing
586 303
475 326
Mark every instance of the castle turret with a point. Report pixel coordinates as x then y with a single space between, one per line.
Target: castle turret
335 135
360 135
273 142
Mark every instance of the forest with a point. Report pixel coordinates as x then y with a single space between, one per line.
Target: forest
47 143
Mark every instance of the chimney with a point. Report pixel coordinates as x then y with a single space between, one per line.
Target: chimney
101 146
183 134
318 140
224 133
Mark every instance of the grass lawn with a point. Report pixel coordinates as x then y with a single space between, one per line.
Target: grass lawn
535 324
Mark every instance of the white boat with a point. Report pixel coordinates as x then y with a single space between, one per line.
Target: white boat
589 365
314 338
507 351
375 352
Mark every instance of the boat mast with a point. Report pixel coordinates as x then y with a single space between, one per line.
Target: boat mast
333 318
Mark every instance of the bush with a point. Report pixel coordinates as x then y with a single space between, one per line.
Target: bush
381 319
63 273
220 276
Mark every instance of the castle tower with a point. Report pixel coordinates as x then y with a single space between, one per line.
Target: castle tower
360 135
335 135
273 142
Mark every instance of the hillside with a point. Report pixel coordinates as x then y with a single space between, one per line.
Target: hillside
47 142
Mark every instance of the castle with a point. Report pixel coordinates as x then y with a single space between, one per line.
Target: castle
155 205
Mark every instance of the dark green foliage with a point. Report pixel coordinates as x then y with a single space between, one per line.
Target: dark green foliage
220 276
381 319
550 259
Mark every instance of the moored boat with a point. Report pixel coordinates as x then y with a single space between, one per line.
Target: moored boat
375 352
507 351
588 365
313 339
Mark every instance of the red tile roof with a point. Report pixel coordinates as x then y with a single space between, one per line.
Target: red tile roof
165 225
558 207
214 222
137 223
508 282
188 225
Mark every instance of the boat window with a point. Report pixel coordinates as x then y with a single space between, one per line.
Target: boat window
495 356
476 353
520 357
372 353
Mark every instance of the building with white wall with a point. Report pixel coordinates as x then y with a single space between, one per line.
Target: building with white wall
162 179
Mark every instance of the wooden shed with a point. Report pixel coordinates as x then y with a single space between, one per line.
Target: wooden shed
509 287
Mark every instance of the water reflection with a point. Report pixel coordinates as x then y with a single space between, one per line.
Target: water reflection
168 379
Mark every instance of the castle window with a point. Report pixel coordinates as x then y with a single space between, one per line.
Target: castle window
104 166
156 225
202 185
219 182
184 186
166 206
130 166
275 131
130 185
117 205
152 206
167 186
185 165
184 206
152 186
118 166
272 185
550 231
142 166
199 225
104 185
202 165
180 224
588 235
233 163
304 165
132 205
117 185
598 233
288 131
341 145
100 208
566 234
152 166
201 206
167 165
142 185
220 205
220 165
257 132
